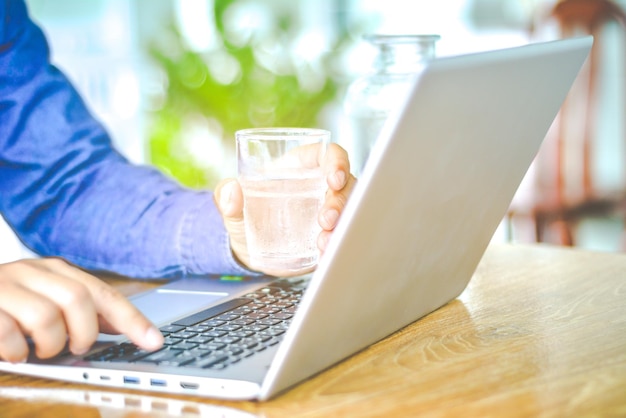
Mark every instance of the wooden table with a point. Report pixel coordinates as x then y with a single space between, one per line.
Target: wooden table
540 331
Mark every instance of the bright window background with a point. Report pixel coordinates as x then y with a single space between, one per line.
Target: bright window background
101 44
104 47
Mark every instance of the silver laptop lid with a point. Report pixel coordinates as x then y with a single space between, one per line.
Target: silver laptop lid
436 186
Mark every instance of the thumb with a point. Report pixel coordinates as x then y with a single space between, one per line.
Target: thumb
229 199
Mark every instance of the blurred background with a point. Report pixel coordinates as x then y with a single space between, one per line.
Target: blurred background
173 79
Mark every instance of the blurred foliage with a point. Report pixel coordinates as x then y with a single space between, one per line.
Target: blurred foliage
257 97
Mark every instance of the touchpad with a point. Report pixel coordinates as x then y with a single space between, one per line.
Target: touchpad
162 306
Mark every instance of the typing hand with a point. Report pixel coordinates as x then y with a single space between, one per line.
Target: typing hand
229 200
54 303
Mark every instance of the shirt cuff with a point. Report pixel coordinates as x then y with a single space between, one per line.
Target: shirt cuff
205 243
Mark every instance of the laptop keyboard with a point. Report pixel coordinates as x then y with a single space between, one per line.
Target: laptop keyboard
221 335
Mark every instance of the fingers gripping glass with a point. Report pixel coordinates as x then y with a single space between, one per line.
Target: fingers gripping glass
280 172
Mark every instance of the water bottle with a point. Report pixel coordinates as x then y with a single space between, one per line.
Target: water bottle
370 98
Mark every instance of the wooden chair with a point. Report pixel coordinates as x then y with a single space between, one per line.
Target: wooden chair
564 191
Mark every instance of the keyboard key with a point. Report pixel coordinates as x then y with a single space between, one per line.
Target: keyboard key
228 327
213 346
212 323
214 334
159 356
199 340
208 361
211 312
169 340
226 340
131 356
254 328
183 334
269 321
184 346
176 362
282 316
171 328
197 329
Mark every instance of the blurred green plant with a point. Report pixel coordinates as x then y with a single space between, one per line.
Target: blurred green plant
252 93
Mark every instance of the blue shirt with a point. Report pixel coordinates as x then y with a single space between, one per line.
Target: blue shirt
67 192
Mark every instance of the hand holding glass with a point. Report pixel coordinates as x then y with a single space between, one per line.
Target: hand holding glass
283 188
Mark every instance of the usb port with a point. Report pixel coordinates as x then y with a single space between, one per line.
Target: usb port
158 382
186 385
130 379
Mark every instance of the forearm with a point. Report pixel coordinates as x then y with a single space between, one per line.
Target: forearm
68 193
134 221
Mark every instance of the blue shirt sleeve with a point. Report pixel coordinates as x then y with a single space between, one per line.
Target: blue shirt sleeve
67 192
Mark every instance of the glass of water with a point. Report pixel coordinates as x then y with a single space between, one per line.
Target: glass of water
280 172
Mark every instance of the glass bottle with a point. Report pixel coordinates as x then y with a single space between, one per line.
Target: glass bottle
370 98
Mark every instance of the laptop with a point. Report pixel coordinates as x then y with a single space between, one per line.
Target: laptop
435 188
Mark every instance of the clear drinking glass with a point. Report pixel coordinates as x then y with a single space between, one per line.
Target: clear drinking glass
283 188
371 98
